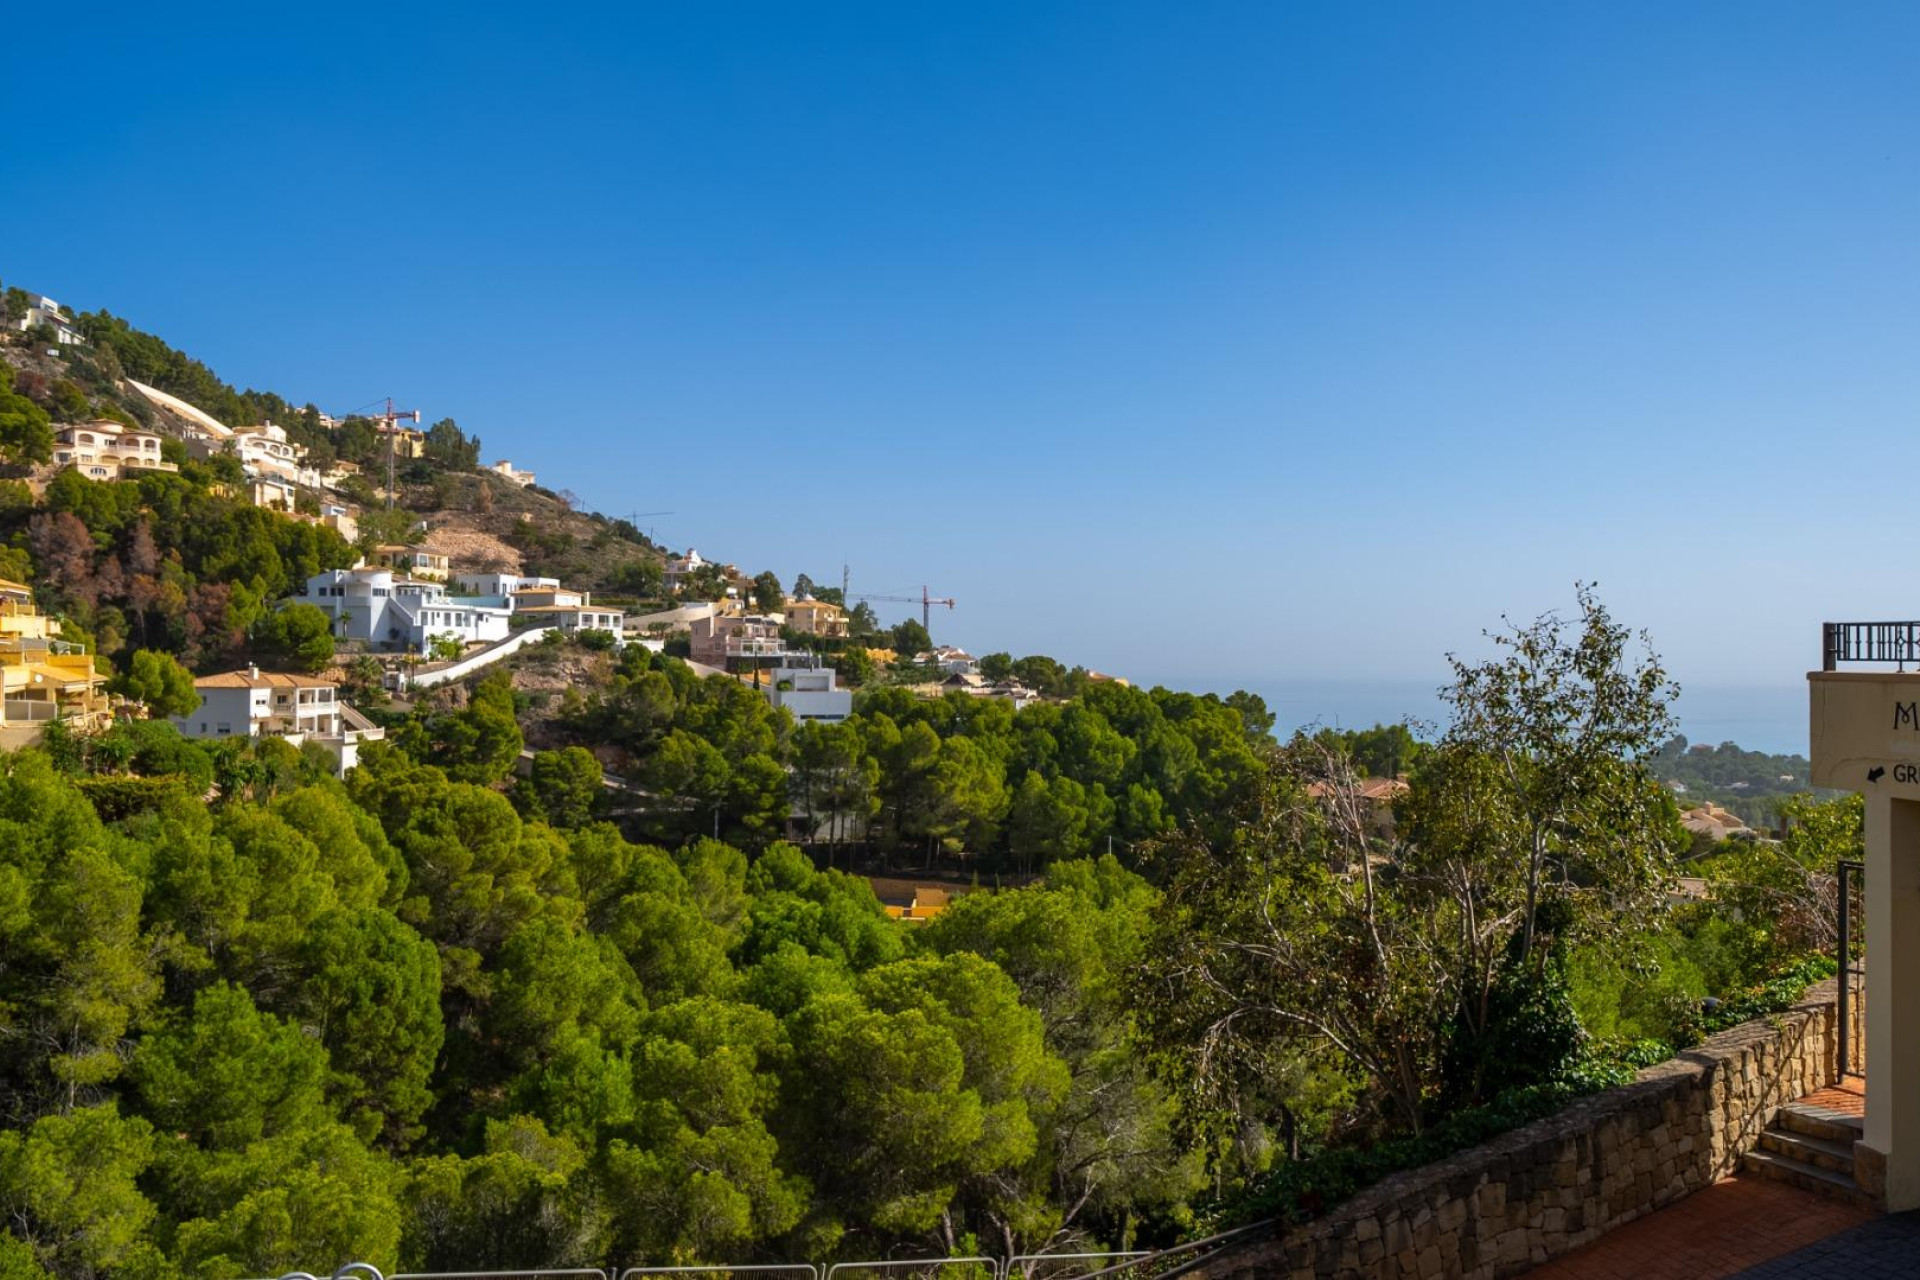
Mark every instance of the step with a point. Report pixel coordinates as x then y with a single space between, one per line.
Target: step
1819 1122
1822 1153
1824 1182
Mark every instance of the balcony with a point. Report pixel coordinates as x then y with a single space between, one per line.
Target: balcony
1862 643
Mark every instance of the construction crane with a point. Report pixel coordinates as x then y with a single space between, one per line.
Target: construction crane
390 417
635 517
925 600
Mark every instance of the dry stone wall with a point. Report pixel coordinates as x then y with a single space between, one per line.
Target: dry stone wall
1540 1191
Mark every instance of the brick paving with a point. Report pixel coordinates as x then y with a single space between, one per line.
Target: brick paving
1846 1099
1730 1229
1886 1248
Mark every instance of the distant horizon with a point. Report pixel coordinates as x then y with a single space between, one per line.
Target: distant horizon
1350 331
1769 718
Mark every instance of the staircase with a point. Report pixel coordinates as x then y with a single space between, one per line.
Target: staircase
1811 1147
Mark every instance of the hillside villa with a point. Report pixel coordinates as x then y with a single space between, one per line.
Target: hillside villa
512 474
107 450
378 607
44 310
816 617
266 453
254 704
719 635
806 687
416 562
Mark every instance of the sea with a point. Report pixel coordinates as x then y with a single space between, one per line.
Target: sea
1771 718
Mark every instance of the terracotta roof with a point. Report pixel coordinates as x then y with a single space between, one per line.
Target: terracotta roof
260 680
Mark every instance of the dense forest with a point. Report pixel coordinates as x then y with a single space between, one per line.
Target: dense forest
441 1016
621 1000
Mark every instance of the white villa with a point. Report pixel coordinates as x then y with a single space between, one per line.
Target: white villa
266 453
44 310
679 567
951 661
393 611
572 618
512 474
108 450
808 688
255 703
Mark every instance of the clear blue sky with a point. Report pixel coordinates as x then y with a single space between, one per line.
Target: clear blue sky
1198 342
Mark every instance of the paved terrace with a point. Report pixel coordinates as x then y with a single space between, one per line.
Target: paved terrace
1756 1228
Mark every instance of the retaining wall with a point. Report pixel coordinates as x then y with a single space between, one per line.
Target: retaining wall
1542 1190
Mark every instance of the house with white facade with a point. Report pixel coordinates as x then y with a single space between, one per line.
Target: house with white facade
808 688
951 661
255 704
679 568
512 474
108 450
44 310
576 618
266 453
395 612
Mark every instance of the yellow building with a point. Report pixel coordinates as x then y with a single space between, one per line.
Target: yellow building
816 617
42 678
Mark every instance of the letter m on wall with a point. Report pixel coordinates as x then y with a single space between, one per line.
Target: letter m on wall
1906 715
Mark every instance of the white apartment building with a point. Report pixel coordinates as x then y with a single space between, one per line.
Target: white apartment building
396 612
108 450
808 689
255 703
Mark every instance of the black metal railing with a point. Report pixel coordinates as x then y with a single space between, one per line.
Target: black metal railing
1850 875
1896 642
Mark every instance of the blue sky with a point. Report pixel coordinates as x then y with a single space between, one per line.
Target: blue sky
1200 342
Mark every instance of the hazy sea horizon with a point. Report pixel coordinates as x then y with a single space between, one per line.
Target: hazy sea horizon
1770 718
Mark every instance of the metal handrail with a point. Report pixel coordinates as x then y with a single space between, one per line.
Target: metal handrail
897 1264
1896 642
511 1273
1025 1262
1211 1245
1847 874
762 1268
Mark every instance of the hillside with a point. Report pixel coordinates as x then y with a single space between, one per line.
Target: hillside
531 529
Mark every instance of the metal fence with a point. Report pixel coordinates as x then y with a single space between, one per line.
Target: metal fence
1064 1266
534 1273
1132 1265
915 1268
796 1270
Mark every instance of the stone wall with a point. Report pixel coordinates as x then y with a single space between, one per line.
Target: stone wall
1540 1191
